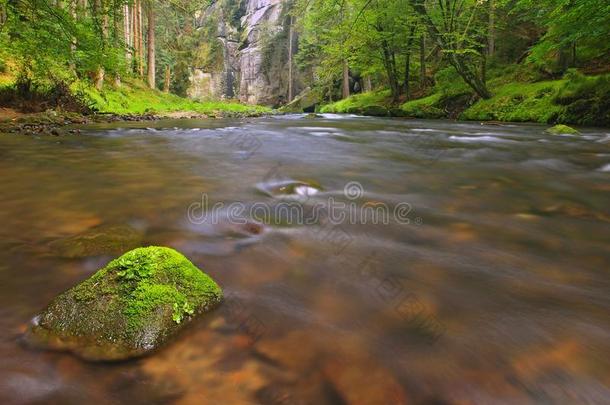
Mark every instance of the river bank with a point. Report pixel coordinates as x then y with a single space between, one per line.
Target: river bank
50 108
57 122
573 99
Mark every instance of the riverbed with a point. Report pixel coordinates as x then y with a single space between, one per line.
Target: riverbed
364 260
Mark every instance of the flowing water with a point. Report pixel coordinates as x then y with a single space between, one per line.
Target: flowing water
470 264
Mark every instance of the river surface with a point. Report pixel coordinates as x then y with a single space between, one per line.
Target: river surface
471 264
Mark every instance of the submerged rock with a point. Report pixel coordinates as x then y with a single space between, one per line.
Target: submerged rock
290 188
128 308
99 240
313 115
562 130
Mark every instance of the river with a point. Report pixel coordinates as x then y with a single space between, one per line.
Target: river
364 260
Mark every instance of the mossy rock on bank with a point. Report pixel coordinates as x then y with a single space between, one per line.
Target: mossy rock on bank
562 130
306 101
397 112
128 308
427 107
370 110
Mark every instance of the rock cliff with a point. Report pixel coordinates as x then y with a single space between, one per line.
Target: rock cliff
246 52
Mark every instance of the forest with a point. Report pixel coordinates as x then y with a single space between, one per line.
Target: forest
508 60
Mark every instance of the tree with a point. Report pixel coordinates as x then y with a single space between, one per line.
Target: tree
452 24
575 26
150 67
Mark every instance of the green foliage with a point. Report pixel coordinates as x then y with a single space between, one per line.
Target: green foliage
584 24
49 45
586 99
427 107
357 102
520 102
448 82
134 97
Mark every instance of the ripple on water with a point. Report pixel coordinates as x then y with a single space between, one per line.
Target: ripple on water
605 168
484 138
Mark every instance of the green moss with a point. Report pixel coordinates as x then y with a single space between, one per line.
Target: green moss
426 107
130 306
562 129
586 99
155 277
519 102
357 103
133 97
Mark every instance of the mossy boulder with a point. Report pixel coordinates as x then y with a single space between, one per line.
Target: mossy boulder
397 112
128 308
306 101
562 130
375 111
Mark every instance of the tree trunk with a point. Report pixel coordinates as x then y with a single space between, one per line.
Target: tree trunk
407 73
483 67
574 54
389 63
408 60
151 46
127 33
422 60
368 86
345 87
134 40
140 40
290 41
98 9
491 35
166 82
73 39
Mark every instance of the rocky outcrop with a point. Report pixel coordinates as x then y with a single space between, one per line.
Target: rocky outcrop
261 26
128 308
252 46
216 76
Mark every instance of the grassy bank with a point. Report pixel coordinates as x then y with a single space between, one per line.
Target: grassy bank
131 97
135 98
517 96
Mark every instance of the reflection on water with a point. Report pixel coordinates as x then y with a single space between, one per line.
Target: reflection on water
496 290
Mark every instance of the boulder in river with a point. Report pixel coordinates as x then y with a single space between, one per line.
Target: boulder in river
562 130
128 308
